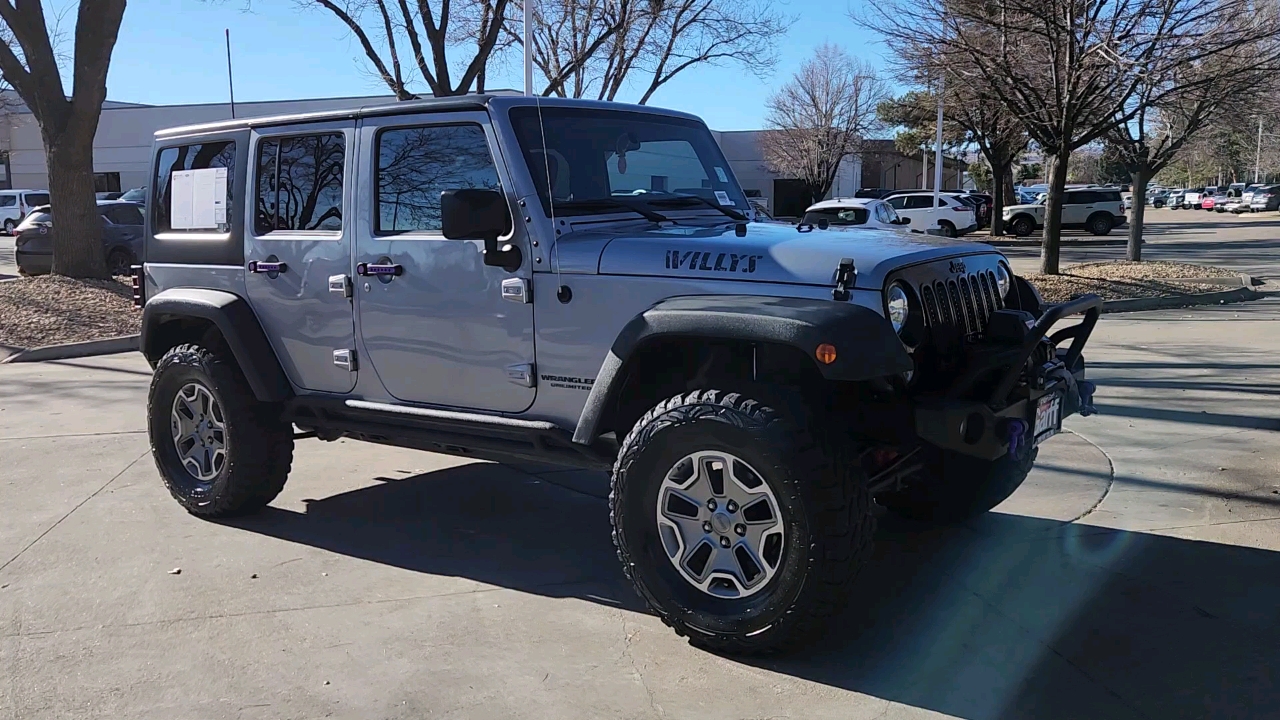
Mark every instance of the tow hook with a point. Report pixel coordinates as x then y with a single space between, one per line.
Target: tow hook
1015 431
1086 389
846 273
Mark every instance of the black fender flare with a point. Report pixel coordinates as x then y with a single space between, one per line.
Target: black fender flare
239 326
866 345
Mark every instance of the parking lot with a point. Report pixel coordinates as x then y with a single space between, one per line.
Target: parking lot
1135 575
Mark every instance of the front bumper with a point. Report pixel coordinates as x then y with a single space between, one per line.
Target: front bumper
1006 419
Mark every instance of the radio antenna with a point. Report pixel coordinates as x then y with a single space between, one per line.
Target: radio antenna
562 292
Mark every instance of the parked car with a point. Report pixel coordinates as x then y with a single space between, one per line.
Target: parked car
1265 198
854 212
1234 206
982 204
1175 199
1191 198
1098 210
1157 198
137 195
1246 197
873 193
15 204
951 216
1215 201
108 195
121 238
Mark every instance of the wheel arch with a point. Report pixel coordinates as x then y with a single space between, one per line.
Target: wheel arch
213 317
746 329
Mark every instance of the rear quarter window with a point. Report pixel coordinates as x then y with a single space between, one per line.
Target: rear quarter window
172 213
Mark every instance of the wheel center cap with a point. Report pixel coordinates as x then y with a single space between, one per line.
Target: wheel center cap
721 522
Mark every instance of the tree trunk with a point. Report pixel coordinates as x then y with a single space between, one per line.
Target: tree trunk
999 175
77 240
1050 246
1139 188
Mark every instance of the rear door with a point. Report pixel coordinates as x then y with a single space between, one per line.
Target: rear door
1077 206
298 239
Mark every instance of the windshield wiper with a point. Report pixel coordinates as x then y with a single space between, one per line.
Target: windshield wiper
679 200
605 203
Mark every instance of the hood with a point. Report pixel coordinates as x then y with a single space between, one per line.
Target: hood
772 253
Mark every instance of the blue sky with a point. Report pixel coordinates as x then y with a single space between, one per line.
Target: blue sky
172 51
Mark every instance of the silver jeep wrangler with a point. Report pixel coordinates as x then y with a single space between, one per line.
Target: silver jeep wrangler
581 283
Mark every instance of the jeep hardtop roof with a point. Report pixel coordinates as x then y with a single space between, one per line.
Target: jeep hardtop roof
444 104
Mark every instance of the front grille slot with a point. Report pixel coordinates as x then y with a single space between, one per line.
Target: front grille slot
964 303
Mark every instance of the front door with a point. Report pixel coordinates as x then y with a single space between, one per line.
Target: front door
437 324
299 233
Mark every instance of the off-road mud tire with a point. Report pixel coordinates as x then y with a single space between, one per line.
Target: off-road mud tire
259 444
822 495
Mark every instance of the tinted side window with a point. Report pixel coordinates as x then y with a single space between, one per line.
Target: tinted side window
916 202
8 200
209 216
416 164
898 202
1108 196
1078 198
36 199
299 184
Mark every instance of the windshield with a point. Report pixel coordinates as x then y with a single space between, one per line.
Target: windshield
135 195
594 155
38 216
836 217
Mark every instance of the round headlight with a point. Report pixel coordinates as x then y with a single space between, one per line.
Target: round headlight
896 303
1003 279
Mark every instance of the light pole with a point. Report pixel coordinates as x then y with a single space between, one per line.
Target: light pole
1257 159
937 151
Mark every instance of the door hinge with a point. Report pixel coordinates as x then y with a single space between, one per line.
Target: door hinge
516 290
521 374
345 359
340 284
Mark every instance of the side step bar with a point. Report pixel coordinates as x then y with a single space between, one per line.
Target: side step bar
487 437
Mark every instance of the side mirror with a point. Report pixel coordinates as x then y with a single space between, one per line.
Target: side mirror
480 214
904 220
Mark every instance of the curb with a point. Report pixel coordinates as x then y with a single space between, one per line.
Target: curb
1234 295
109 346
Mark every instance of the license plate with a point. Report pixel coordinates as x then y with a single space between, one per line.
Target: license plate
1048 418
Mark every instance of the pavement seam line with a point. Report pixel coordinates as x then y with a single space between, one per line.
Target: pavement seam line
77 507
74 435
1111 478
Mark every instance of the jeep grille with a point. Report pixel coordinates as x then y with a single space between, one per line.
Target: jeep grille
964 302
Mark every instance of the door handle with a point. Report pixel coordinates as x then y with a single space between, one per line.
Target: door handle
375 269
262 266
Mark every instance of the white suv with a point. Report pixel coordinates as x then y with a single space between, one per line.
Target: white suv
1098 210
953 217
15 204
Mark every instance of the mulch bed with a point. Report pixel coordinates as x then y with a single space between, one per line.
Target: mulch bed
50 310
1125 280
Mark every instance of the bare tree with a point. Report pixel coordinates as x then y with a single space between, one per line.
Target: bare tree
596 48
1068 69
1174 109
429 28
821 116
67 124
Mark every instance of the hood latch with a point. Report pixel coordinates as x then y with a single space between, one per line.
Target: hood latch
846 273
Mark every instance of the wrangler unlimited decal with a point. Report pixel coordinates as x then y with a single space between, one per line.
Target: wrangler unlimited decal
699 260
572 383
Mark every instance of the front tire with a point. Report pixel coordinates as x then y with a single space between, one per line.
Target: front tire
698 585
955 487
219 450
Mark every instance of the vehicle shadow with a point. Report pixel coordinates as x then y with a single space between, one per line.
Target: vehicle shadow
1006 617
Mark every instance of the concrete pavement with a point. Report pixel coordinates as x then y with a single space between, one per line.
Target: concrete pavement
8 264
1134 576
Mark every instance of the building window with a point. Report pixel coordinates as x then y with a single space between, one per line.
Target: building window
192 188
416 164
106 182
299 184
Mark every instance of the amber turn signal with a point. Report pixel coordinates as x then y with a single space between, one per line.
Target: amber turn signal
826 353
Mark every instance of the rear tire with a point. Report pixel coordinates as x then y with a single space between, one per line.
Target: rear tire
255 445
1100 224
119 262
825 521
955 487
948 230
9 225
1022 226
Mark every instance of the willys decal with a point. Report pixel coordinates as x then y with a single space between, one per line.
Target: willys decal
710 261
